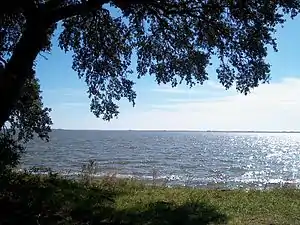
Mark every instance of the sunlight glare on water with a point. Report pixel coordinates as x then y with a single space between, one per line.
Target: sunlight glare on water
183 158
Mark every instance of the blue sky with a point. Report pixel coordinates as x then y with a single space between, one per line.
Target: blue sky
274 106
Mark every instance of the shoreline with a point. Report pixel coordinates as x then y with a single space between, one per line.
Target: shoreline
171 183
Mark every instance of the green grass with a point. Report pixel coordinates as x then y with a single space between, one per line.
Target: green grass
32 199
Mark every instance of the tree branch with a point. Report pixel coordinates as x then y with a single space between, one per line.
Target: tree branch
3 61
76 9
90 5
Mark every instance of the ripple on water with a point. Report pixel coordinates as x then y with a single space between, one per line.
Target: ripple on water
193 158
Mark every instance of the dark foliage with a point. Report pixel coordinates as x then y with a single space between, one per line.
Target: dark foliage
36 200
28 118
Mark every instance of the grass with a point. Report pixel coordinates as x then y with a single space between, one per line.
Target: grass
50 199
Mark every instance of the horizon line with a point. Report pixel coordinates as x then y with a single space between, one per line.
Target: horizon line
183 130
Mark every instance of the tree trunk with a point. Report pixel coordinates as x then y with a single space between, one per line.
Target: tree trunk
19 67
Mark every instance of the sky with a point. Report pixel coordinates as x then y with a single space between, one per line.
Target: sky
272 107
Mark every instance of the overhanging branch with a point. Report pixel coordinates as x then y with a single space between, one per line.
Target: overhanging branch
90 5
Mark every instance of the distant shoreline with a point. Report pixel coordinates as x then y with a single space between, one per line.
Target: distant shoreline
287 132
200 131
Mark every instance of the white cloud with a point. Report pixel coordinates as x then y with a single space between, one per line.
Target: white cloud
182 89
170 90
274 106
72 104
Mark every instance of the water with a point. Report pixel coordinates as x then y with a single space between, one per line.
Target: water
203 159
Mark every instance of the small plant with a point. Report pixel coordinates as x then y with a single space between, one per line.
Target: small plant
88 172
154 176
189 180
40 170
110 180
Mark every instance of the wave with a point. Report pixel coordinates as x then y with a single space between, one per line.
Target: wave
181 180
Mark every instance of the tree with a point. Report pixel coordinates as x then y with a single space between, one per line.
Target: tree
28 118
173 40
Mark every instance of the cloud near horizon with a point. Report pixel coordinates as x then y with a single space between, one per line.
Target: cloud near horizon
274 106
